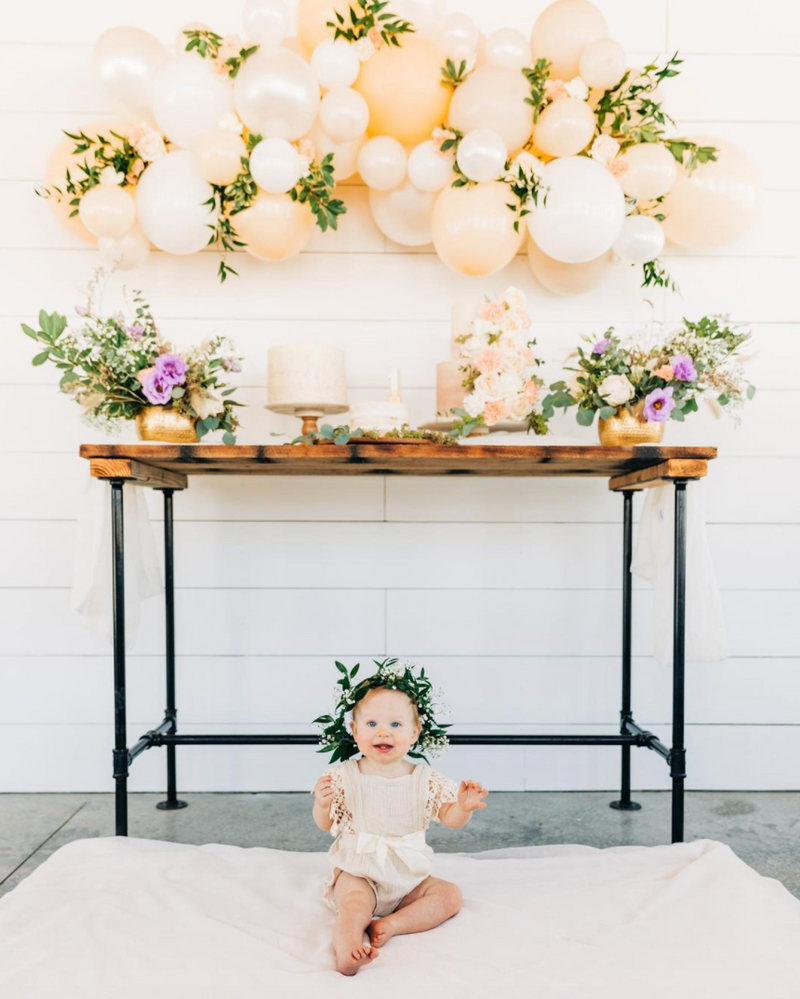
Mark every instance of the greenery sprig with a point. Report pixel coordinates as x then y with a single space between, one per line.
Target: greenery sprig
454 75
366 15
537 77
450 144
207 44
526 186
103 152
315 188
343 434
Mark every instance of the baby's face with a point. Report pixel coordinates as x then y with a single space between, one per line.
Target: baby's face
385 727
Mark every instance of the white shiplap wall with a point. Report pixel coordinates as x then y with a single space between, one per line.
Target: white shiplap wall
508 591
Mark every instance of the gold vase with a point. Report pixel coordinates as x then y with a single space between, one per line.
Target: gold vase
160 423
626 429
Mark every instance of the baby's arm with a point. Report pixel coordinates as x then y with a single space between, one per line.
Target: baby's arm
323 796
456 814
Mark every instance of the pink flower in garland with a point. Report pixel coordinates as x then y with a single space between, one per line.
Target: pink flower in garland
683 368
658 405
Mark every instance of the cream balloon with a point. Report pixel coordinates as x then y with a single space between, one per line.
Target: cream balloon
343 114
276 94
404 214
219 153
170 200
473 228
427 16
582 214
274 227
336 63
266 22
293 45
107 210
641 239
382 163
651 171
312 20
125 253
568 279
428 168
126 61
561 33
494 97
345 154
602 63
507 47
275 165
564 128
189 98
182 40
716 203
481 154
403 88
458 38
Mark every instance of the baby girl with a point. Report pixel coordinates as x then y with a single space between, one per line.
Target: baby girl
378 807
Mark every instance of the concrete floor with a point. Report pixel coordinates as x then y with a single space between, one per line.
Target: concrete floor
760 827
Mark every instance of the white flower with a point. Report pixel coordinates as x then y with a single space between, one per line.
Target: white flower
604 149
513 296
471 346
474 403
231 123
206 405
518 408
616 389
510 383
574 386
151 146
528 163
364 49
108 175
577 88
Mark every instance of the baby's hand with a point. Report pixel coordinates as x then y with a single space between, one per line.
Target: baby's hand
323 791
470 794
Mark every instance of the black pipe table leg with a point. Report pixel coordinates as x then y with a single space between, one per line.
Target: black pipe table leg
677 756
121 757
172 801
624 803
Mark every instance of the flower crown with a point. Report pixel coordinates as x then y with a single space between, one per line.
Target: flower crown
337 738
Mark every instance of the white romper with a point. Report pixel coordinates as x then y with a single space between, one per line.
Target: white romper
379 824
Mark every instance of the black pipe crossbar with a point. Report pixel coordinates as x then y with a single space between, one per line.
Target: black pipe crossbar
455 740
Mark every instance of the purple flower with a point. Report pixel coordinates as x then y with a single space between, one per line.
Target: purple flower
81 310
156 388
231 364
683 368
136 331
602 346
171 368
658 405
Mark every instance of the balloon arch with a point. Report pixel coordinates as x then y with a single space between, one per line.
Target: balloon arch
467 142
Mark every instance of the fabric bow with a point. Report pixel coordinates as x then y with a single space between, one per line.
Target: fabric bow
409 849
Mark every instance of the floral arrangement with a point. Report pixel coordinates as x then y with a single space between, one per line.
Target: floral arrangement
370 25
228 54
661 381
115 366
336 737
342 435
499 365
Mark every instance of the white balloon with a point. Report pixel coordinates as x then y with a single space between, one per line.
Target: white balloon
426 15
603 63
170 200
344 114
107 210
266 22
335 63
382 163
126 60
345 154
404 214
641 239
276 94
275 165
429 169
459 37
507 47
125 253
582 214
482 154
189 98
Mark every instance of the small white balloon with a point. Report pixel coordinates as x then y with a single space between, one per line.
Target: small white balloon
266 22
482 154
345 154
459 37
107 210
189 98
404 214
382 163
275 165
277 94
507 47
125 253
343 114
641 239
171 201
603 63
428 168
336 63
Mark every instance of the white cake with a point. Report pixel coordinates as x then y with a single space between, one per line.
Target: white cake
305 377
449 390
379 415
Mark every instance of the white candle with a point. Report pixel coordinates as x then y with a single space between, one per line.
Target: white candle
394 385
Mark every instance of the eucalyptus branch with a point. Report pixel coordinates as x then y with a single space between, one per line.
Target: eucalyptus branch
655 274
537 77
315 188
103 152
208 44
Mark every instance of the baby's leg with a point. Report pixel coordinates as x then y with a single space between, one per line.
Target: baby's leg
429 904
355 901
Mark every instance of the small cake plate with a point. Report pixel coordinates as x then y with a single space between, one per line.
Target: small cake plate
444 426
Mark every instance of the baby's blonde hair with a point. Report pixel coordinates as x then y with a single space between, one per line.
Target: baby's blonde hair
411 701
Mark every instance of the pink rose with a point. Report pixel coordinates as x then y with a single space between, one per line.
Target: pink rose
619 167
135 171
494 411
524 318
492 312
488 361
665 372
374 35
514 362
531 392
528 356
555 89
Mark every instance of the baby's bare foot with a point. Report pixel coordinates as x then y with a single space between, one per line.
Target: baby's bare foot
350 962
380 930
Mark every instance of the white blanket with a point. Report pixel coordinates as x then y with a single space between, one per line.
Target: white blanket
130 918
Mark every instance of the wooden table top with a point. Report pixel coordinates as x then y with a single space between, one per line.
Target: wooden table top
169 465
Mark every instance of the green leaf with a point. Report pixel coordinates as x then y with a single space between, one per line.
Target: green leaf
41 358
29 332
212 422
607 412
178 392
228 438
751 391
201 429
585 417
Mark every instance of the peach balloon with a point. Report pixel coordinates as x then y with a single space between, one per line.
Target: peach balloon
473 228
293 45
561 33
652 171
107 210
312 18
274 227
403 89
716 203
565 127
219 154
494 97
602 63
568 279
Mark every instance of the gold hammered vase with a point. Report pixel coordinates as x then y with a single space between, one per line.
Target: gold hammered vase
159 423
627 428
